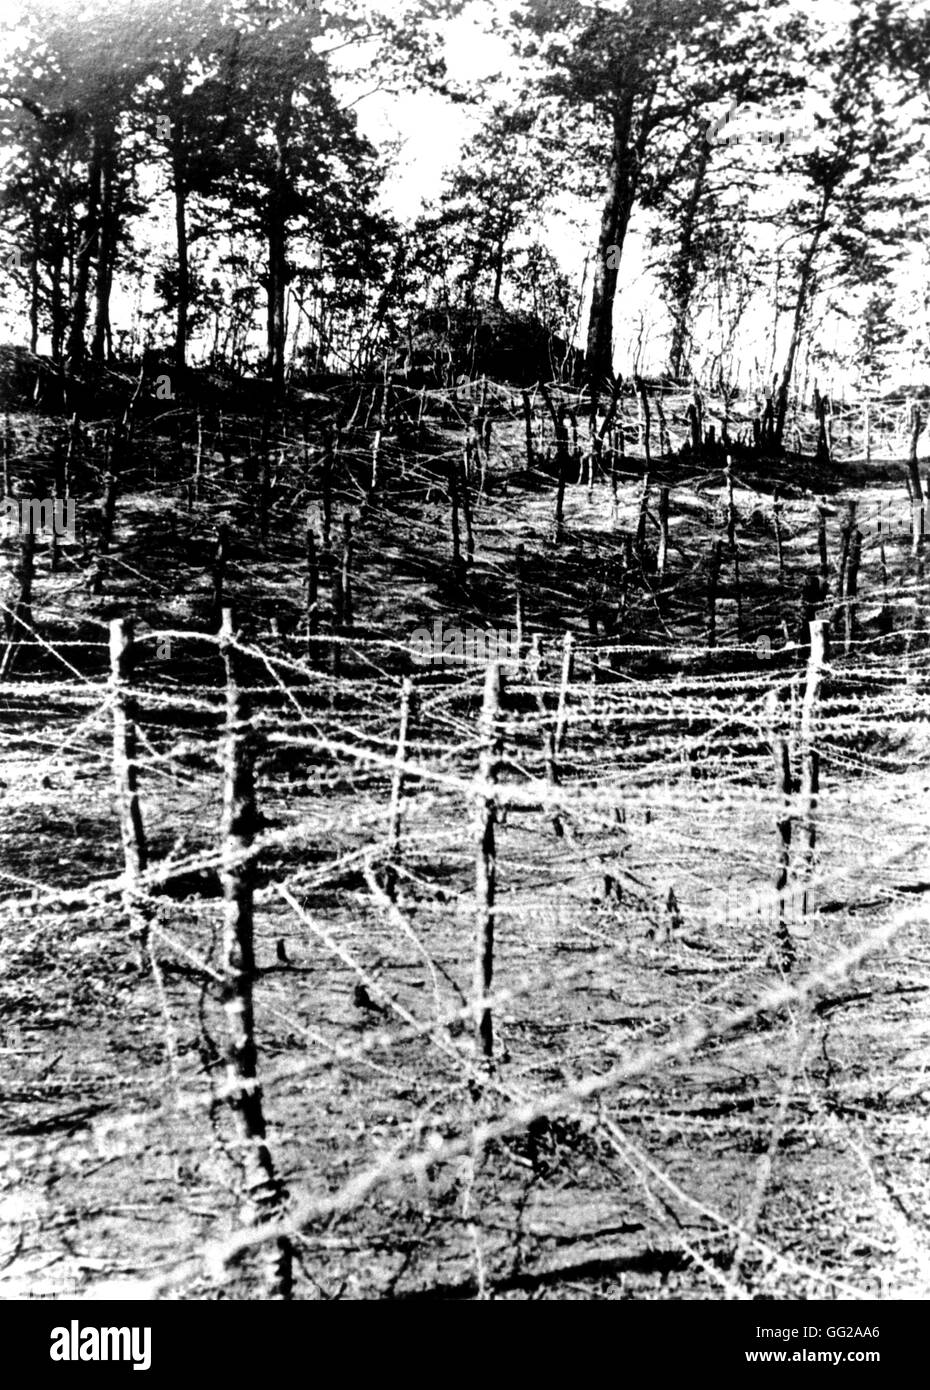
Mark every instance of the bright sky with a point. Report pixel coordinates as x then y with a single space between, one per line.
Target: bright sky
433 131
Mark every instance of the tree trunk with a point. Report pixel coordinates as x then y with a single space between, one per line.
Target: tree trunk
802 303
87 237
71 243
106 252
498 272
277 250
125 775
684 274
56 301
264 1191
614 220
179 182
34 285
913 472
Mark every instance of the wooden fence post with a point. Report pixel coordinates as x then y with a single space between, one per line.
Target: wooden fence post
783 789
823 440
852 588
397 776
313 587
326 485
914 485
785 942
7 454
575 454
561 455
810 755
643 418
18 619
198 461
264 1192
344 610
110 498
614 499
467 513
662 558
59 494
558 418
549 729
220 559
342 596
595 438
695 419
485 449
647 468
713 578
884 617
375 456
458 564
74 439
519 614
561 717
822 546
264 489
184 480
665 447
25 575
486 860
528 423
845 540
131 828
779 548
731 509
917 524
593 606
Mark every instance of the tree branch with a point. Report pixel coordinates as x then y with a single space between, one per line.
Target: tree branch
31 106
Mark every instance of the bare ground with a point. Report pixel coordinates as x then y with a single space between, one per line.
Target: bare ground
781 1158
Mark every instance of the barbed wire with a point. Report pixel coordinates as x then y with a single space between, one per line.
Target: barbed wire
628 790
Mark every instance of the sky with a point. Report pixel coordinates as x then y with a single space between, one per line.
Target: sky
433 131
431 128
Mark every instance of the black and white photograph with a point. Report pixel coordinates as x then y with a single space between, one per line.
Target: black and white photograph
465 662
